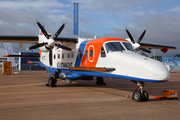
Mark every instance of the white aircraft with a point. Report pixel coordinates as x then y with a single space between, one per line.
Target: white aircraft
97 58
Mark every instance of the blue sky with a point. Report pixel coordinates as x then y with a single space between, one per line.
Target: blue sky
104 18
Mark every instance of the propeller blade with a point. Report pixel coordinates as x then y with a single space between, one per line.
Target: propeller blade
145 50
63 47
130 36
141 37
59 31
42 29
36 46
50 55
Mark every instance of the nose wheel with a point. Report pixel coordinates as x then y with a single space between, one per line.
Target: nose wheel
140 95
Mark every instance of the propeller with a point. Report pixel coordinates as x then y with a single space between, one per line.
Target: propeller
141 37
59 31
130 36
63 47
36 46
138 41
42 29
50 55
145 50
50 42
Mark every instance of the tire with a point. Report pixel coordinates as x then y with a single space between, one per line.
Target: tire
145 96
137 96
100 81
133 95
51 82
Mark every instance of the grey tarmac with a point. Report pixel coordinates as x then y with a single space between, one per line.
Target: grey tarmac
24 96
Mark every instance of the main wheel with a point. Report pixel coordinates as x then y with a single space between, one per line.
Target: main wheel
137 96
51 82
145 96
100 81
133 95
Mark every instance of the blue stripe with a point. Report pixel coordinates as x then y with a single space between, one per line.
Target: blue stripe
99 74
72 75
81 49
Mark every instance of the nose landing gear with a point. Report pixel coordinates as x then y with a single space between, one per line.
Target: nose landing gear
140 95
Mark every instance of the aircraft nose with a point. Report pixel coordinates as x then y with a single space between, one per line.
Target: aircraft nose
161 72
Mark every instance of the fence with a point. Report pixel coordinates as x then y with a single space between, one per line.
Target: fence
30 67
176 69
26 67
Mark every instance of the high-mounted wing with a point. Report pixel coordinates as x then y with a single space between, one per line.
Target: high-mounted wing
39 41
155 46
19 39
28 56
33 39
71 40
146 46
163 48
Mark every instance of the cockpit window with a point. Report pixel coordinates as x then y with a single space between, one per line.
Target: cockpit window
129 46
114 46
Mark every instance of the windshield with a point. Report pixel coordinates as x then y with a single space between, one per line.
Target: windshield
114 46
129 46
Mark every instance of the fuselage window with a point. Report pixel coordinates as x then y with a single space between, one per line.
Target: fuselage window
72 55
129 46
68 55
62 55
103 54
86 53
58 56
91 53
114 46
79 54
54 56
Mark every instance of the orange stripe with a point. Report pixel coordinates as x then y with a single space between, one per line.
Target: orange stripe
40 52
89 69
97 43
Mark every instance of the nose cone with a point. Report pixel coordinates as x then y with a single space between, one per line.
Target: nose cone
160 71
149 69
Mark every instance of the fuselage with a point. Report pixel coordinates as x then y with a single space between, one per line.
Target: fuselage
114 53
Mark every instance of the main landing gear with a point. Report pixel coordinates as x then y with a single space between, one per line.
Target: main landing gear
140 95
52 80
100 81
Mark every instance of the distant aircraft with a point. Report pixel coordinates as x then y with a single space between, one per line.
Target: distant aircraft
76 58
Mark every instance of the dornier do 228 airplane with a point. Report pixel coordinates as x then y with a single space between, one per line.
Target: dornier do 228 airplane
76 58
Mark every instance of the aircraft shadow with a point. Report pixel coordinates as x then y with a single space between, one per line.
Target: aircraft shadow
154 89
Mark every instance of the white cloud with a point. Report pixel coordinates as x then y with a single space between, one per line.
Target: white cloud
175 9
103 18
